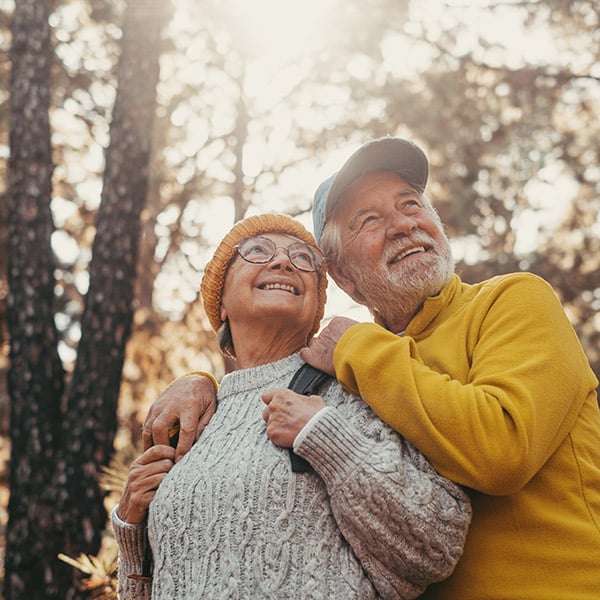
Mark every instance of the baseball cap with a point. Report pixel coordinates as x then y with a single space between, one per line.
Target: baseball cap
382 154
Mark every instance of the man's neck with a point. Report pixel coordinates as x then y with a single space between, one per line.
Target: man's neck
398 321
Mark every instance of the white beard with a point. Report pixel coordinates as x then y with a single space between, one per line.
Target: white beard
396 292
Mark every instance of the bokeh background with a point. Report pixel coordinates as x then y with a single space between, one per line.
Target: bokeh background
167 121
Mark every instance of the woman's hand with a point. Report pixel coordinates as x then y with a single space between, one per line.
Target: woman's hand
287 413
145 475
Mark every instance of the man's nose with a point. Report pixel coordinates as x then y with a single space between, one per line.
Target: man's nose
400 224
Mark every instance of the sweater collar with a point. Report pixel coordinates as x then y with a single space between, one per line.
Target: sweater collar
433 306
276 373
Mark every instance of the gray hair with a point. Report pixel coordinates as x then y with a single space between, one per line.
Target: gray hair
331 239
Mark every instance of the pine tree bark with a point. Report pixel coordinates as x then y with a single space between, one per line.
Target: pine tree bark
35 376
90 421
56 504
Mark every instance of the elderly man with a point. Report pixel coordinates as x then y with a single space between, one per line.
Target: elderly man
488 380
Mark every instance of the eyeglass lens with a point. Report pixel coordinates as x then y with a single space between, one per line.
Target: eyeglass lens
261 250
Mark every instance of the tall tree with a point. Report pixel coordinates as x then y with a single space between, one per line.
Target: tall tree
89 424
35 377
56 504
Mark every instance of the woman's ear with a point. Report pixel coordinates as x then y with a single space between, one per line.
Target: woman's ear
223 313
345 282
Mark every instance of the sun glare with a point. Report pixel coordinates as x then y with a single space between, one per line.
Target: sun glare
281 29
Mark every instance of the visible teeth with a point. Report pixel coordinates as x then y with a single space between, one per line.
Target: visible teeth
404 254
412 251
280 286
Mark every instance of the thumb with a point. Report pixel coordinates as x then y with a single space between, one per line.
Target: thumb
184 442
267 396
204 419
307 353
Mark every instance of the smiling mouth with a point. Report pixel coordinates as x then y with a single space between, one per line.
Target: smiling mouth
280 286
409 252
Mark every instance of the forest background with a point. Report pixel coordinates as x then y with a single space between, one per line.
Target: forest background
133 134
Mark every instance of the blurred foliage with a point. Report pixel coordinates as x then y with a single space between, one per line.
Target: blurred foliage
100 572
100 581
256 108
511 133
512 141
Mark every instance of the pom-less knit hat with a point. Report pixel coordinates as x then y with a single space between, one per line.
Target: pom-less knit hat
215 271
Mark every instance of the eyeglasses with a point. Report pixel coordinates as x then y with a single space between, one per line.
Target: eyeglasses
259 251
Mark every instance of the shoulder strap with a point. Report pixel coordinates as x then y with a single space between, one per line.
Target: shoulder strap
306 380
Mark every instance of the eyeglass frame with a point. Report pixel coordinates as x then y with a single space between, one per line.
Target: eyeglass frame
318 258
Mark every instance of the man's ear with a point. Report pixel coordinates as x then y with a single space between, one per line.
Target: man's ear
345 282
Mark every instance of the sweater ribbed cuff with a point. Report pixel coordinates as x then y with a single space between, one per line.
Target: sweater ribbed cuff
333 447
131 540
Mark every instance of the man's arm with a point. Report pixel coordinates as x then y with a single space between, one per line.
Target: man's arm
488 397
188 402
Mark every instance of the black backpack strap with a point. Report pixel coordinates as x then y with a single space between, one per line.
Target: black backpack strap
307 381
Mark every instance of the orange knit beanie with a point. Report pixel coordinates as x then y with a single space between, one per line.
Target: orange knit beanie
214 273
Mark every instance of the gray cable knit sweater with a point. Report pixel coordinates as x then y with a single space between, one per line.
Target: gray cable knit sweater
231 520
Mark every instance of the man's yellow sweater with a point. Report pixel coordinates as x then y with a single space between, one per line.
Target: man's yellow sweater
490 382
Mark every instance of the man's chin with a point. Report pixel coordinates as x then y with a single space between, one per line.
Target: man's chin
428 277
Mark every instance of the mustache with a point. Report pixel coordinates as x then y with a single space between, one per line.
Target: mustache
417 238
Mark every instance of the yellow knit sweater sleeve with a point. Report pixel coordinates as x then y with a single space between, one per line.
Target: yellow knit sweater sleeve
487 389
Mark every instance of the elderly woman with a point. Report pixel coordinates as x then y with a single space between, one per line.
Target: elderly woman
232 519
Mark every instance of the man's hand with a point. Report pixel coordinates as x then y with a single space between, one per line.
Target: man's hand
191 402
287 413
145 475
319 352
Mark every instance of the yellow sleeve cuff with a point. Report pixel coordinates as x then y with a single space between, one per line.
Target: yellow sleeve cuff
205 374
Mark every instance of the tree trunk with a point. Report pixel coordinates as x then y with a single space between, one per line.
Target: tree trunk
90 422
56 504
35 376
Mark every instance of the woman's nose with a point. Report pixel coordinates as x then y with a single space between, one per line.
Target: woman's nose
281 259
